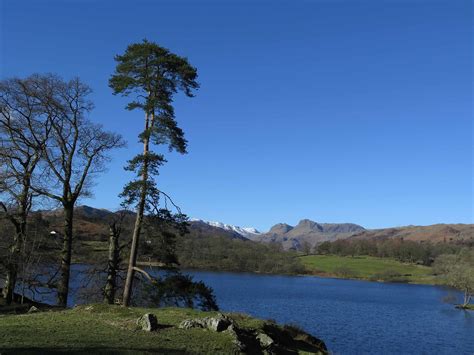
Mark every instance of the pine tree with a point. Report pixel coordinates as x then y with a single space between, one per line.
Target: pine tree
152 75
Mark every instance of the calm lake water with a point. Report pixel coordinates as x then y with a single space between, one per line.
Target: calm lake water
352 317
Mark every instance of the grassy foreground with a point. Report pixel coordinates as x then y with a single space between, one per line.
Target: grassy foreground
113 330
367 268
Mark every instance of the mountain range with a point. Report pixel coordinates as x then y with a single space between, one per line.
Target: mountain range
247 232
307 233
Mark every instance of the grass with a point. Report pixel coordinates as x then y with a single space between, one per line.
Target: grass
107 327
367 268
96 245
112 329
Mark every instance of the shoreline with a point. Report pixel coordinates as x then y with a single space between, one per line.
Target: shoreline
323 275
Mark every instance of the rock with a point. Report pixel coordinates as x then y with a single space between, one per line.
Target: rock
148 322
236 339
264 340
218 323
33 309
190 323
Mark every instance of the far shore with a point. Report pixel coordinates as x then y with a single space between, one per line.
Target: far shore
318 273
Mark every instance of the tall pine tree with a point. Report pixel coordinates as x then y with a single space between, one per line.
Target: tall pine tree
151 75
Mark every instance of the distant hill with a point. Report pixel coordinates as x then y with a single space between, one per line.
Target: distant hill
246 232
92 224
307 232
435 233
199 228
84 211
313 233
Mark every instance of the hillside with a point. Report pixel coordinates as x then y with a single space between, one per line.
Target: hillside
246 232
312 233
198 228
437 233
368 268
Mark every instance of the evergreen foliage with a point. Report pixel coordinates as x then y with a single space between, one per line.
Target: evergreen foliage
150 75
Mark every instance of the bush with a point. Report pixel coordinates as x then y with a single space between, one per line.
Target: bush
178 290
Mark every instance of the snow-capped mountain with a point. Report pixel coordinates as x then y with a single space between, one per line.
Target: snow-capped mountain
247 232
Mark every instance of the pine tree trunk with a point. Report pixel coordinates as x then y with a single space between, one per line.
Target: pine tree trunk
127 292
112 265
65 268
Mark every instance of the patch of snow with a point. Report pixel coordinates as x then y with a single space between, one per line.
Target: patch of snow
243 231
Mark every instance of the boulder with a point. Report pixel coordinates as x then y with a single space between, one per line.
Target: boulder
232 331
148 322
264 340
190 323
218 323
268 339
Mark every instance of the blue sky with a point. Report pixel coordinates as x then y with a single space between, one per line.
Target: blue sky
337 111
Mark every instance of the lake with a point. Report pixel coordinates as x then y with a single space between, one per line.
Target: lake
352 317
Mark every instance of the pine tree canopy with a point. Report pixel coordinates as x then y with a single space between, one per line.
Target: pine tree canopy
152 75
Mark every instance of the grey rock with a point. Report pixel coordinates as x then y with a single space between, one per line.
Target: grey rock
33 309
218 323
264 340
232 331
148 322
191 323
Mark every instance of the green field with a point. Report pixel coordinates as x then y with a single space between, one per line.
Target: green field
367 268
112 330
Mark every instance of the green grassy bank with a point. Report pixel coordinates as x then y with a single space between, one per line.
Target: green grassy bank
367 268
113 330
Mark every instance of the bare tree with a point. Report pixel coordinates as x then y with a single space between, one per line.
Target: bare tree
76 150
22 117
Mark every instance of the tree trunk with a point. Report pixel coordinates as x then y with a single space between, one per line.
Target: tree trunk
12 272
65 268
10 279
127 292
112 265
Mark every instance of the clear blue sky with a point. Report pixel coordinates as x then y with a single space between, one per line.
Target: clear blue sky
337 111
